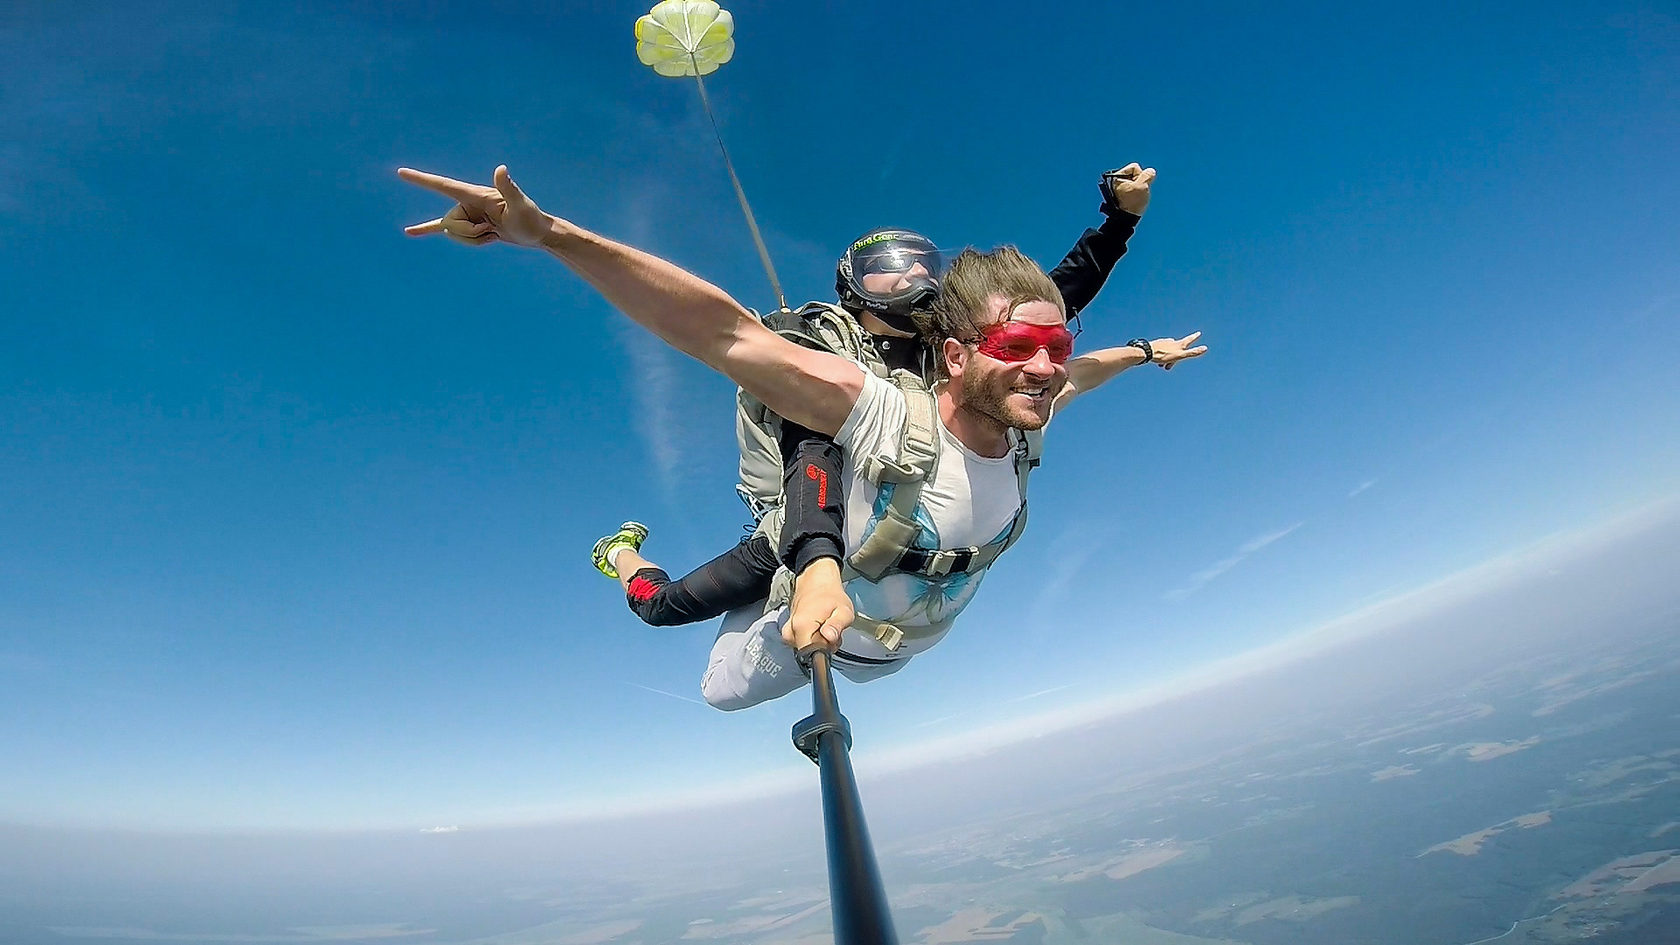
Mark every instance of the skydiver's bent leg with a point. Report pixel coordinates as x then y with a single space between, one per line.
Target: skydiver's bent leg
750 664
736 578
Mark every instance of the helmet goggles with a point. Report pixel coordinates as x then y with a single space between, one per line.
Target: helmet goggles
892 270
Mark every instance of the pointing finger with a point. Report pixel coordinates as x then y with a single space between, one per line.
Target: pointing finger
459 190
426 229
1190 339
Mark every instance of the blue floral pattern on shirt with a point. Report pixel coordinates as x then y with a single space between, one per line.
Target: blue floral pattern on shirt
912 600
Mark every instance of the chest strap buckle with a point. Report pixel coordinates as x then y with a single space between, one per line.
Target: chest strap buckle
937 563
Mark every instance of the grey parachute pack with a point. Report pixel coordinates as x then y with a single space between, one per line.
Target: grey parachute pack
889 546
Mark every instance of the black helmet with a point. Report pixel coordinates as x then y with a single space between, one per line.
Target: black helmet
890 250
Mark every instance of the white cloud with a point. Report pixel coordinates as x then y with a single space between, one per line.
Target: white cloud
1202 577
1362 487
1073 549
653 378
654 386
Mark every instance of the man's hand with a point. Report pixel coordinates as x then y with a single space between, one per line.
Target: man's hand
1170 351
1128 188
820 609
482 214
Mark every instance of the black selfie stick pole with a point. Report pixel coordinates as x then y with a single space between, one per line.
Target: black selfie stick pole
855 895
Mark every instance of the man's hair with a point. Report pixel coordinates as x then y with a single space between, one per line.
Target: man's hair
969 283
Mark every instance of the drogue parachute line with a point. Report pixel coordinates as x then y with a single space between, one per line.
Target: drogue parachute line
693 38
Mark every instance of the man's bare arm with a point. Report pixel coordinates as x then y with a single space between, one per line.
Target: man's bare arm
1090 371
812 388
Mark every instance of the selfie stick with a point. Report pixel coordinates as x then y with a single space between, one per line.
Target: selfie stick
855 895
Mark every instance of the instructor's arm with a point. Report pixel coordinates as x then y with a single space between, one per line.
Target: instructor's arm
812 388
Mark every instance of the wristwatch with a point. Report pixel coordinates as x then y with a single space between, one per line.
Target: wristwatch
1142 344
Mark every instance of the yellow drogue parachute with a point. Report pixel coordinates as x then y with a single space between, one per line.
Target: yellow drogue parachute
685 37
692 38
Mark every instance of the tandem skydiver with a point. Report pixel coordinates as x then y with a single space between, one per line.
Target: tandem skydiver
883 281
951 462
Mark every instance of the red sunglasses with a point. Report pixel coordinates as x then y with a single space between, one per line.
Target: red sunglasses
1015 342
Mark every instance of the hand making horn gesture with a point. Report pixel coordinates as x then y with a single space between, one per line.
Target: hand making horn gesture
482 214
1170 351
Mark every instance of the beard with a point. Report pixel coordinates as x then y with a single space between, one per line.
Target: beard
992 397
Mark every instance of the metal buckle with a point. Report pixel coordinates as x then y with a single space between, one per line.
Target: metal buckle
943 562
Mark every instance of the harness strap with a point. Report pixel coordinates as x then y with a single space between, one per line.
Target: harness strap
918 442
884 633
1029 445
905 474
815 325
890 635
834 329
888 547
894 531
947 561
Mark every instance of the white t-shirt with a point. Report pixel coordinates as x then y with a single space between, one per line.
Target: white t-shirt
971 500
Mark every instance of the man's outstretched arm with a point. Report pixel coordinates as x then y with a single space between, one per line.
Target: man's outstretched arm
815 389
1090 371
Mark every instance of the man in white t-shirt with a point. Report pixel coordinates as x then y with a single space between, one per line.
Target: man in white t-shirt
1001 332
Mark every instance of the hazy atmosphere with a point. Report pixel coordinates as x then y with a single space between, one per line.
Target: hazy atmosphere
1360 628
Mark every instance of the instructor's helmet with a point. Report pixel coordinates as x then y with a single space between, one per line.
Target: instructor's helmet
890 272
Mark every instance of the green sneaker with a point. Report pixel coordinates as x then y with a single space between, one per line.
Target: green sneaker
629 535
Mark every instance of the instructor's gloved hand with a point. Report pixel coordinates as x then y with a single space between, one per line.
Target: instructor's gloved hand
482 214
1128 188
820 610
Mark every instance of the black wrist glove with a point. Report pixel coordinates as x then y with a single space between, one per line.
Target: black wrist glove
812 496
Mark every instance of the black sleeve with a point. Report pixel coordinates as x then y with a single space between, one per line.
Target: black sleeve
813 498
1086 266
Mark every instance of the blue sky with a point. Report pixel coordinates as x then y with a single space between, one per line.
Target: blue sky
297 511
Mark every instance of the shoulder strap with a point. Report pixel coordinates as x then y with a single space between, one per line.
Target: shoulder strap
1029 445
914 464
818 325
832 328
918 441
